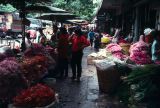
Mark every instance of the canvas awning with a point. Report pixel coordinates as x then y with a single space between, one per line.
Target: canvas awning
44 9
56 16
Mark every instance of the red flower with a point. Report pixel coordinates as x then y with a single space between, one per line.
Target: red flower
34 68
36 96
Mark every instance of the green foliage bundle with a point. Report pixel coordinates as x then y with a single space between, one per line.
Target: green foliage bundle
141 86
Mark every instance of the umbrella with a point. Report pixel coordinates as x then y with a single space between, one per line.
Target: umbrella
57 16
78 21
3 12
44 9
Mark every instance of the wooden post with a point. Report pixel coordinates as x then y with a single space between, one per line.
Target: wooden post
136 25
22 15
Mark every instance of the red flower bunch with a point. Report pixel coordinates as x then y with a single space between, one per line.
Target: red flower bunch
36 49
34 68
36 96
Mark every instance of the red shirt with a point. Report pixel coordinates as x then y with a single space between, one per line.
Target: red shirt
63 45
79 42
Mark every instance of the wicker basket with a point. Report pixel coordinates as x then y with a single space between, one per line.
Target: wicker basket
125 47
48 106
51 105
108 77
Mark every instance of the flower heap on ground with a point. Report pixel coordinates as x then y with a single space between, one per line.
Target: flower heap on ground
36 96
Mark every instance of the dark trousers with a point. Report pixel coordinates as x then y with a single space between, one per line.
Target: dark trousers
76 61
91 42
63 66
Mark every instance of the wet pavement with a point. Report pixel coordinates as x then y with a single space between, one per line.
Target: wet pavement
84 94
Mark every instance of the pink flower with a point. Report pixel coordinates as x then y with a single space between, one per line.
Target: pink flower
11 81
139 53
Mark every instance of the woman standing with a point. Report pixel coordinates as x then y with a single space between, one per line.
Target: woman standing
62 48
79 42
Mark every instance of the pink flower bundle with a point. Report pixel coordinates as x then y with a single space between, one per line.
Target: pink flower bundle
157 62
120 55
11 81
139 53
113 47
116 51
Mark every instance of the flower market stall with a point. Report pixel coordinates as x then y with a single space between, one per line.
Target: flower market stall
19 77
137 80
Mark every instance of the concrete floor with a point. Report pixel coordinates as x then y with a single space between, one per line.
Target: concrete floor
85 94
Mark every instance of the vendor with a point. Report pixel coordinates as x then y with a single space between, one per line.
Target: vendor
148 35
117 35
41 38
155 49
28 41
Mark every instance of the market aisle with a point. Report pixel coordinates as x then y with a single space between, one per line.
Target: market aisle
86 93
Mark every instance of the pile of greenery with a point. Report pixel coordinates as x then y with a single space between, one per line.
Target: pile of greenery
141 86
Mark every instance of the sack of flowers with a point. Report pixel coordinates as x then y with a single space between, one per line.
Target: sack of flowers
11 80
38 96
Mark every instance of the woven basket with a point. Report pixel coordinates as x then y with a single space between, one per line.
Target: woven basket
108 78
125 47
48 106
51 105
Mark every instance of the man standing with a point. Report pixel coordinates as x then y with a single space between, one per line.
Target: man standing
91 36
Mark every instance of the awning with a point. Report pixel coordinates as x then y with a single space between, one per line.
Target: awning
44 9
56 16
